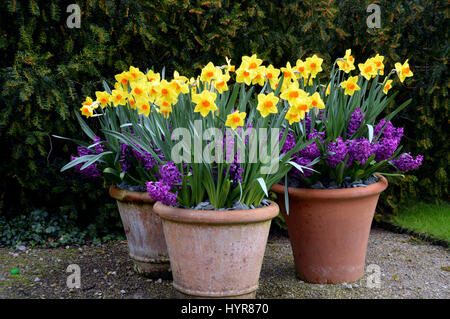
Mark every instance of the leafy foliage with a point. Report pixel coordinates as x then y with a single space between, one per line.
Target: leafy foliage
41 229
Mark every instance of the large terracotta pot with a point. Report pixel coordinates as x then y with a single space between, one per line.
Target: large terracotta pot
216 254
144 232
329 230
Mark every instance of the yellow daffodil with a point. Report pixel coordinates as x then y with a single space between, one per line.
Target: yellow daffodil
285 86
177 76
253 62
387 86
313 65
193 83
103 98
153 77
378 61
179 86
153 90
349 57
403 71
87 110
235 119
139 88
259 77
205 102
135 74
118 97
293 115
346 64
221 83
143 106
327 92
123 78
89 102
131 101
272 75
209 73
230 68
368 69
293 93
166 92
267 104
350 85
244 74
164 107
301 68
289 74
316 101
302 104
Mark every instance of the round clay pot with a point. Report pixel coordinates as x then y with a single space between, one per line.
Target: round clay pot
329 230
216 254
144 232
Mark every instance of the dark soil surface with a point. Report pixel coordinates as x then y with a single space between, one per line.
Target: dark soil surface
409 268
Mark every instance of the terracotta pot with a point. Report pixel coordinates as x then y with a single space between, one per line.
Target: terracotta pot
216 254
144 232
329 230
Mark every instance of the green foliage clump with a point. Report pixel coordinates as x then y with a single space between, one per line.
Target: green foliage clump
41 229
46 70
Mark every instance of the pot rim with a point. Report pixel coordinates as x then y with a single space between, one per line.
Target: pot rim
124 195
217 217
354 192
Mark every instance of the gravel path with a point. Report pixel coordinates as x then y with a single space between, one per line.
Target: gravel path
409 269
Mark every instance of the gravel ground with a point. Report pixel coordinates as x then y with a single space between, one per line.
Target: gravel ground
409 269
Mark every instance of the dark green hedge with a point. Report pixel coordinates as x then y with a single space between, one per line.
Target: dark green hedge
46 69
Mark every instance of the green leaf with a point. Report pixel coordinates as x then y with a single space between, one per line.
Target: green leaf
262 182
370 127
94 159
86 129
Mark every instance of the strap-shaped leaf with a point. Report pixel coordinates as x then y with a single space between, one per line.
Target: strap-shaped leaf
286 194
94 159
262 182
86 129
77 161
370 127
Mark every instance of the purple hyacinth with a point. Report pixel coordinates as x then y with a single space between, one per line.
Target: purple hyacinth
99 148
236 171
145 158
315 134
406 162
340 150
301 161
159 191
124 162
385 148
170 175
289 143
355 122
91 171
359 150
388 142
312 150
229 146
307 120
389 131
84 151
